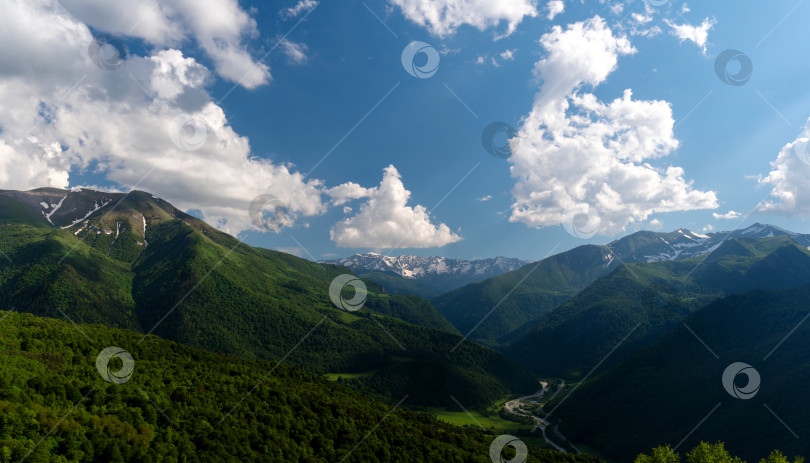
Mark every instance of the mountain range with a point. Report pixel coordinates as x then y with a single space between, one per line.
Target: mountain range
425 276
647 246
134 261
673 390
536 289
637 303
640 329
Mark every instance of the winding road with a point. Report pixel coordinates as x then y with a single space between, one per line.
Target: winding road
515 407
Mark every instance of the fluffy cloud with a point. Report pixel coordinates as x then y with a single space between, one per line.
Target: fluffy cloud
346 192
699 35
789 179
220 28
727 216
443 17
554 8
385 220
575 155
150 123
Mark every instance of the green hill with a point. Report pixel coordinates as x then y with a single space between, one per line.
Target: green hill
533 290
186 405
148 267
666 390
648 299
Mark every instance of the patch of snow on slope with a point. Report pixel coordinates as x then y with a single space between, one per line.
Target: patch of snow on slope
55 208
145 243
95 208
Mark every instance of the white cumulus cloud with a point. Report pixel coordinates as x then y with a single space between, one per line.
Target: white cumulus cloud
220 27
554 8
575 154
444 17
699 35
386 221
789 179
59 112
727 216
346 192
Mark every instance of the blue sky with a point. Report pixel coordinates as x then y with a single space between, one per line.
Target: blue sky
335 85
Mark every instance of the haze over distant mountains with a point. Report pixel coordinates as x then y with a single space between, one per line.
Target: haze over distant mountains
426 276
425 267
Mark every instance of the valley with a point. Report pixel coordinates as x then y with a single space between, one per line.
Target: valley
404 231
608 321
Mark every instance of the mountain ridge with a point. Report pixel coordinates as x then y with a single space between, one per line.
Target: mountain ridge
679 377
408 266
649 246
427 276
185 281
561 276
653 297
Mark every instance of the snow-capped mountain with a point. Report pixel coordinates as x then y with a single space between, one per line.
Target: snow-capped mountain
424 267
648 246
62 208
643 246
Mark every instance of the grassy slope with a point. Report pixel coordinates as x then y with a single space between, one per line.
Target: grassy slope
538 288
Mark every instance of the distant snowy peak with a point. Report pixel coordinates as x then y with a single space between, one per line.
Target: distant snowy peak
683 243
644 246
423 267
